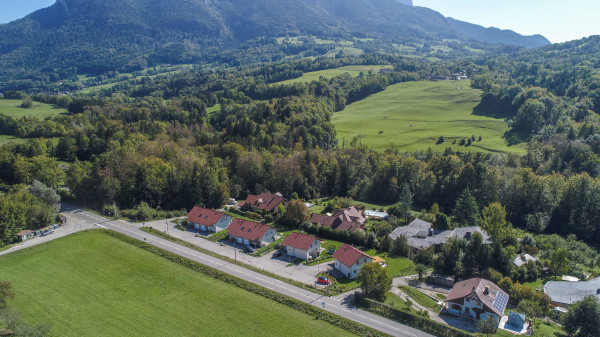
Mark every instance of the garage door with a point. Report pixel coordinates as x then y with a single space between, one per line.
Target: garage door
239 240
203 228
246 242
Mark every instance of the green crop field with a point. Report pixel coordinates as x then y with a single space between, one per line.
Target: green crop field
412 116
12 107
354 71
91 284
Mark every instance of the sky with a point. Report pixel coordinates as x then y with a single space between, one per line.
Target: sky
557 20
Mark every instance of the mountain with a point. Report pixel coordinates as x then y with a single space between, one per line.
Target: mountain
78 36
406 2
497 36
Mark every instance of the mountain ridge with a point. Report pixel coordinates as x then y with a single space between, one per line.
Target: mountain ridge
96 36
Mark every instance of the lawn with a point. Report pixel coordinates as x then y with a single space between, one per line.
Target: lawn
412 116
421 299
12 107
354 71
90 284
396 266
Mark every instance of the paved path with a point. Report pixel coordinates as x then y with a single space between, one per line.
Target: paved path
80 220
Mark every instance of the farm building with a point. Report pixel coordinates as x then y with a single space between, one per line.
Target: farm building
421 234
250 233
350 260
25 235
478 299
302 246
205 219
264 202
564 293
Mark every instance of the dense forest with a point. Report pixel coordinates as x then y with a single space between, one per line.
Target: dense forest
153 142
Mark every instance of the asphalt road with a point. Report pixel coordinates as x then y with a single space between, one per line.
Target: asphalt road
80 220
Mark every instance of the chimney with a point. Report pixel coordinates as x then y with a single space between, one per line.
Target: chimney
487 290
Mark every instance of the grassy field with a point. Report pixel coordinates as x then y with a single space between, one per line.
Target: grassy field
7 139
329 73
396 266
12 107
413 116
91 284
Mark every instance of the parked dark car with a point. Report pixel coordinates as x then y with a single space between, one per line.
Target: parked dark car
331 251
249 249
277 253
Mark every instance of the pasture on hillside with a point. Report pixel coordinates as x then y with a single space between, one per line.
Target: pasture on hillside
12 108
354 71
413 115
91 284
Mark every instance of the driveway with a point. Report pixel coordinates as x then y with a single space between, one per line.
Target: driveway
228 248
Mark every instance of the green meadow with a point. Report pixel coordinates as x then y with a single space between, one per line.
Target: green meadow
91 284
412 116
12 107
354 71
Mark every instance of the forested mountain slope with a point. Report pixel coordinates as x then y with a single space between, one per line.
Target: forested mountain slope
93 36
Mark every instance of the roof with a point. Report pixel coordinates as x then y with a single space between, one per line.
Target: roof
24 232
204 216
265 201
421 234
299 240
348 255
494 299
322 219
250 230
571 292
350 214
376 214
523 259
348 226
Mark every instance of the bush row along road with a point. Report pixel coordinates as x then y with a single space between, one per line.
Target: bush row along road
79 219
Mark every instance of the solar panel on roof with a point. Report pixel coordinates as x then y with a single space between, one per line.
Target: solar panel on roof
501 302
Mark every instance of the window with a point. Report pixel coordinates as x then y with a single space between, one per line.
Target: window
478 303
456 307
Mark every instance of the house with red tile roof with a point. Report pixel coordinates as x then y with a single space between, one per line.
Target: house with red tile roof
478 299
350 219
302 246
350 260
250 233
265 202
205 219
